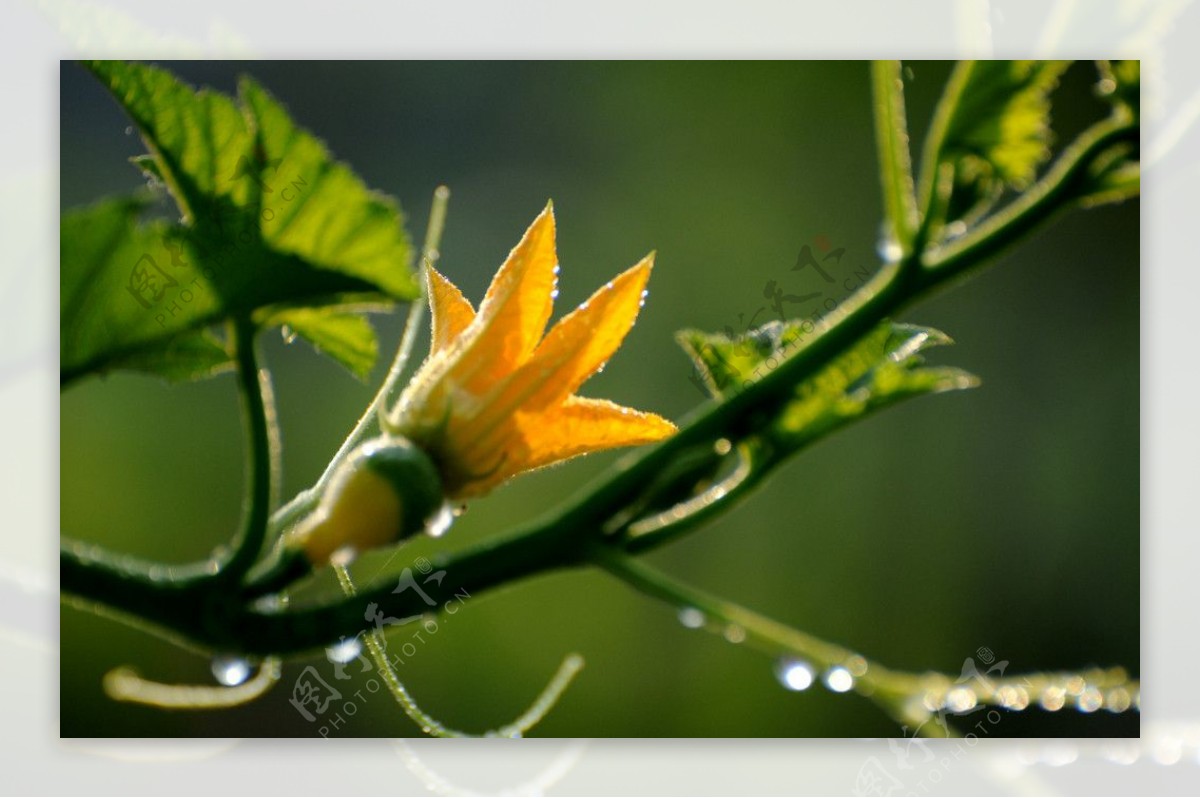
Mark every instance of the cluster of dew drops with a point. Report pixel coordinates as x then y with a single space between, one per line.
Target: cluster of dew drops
1050 692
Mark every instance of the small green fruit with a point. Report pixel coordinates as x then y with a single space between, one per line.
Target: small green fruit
385 491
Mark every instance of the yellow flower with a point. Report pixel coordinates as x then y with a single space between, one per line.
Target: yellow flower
495 398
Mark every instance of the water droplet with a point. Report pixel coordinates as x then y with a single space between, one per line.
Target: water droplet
1075 686
838 679
1012 697
794 674
1089 700
889 249
1053 698
556 268
345 650
441 521
734 633
856 664
691 617
961 699
722 446
554 294
433 255
343 556
275 602
1117 700
583 305
129 130
289 335
230 670
608 286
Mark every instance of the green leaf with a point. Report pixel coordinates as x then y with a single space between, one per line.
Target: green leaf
125 289
348 338
998 113
190 356
269 221
335 222
884 367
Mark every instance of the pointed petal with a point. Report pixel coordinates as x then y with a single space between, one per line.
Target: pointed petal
581 425
450 310
575 349
582 341
578 426
514 312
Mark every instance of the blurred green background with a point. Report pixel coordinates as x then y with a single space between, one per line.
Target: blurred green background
1005 517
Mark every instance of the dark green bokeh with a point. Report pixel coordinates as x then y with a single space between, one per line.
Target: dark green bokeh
1005 517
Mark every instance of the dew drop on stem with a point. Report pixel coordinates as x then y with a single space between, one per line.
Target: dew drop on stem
691 618
441 521
345 650
838 679
230 670
794 674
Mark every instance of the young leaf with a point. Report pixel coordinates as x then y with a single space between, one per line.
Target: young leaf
998 112
884 367
269 219
881 369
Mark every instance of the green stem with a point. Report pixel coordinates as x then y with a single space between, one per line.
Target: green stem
931 154
160 594
262 452
891 134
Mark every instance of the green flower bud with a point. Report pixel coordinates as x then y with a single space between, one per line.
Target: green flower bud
385 491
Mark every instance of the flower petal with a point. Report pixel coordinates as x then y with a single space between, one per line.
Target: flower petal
576 348
582 341
514 312
578 426
451 311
